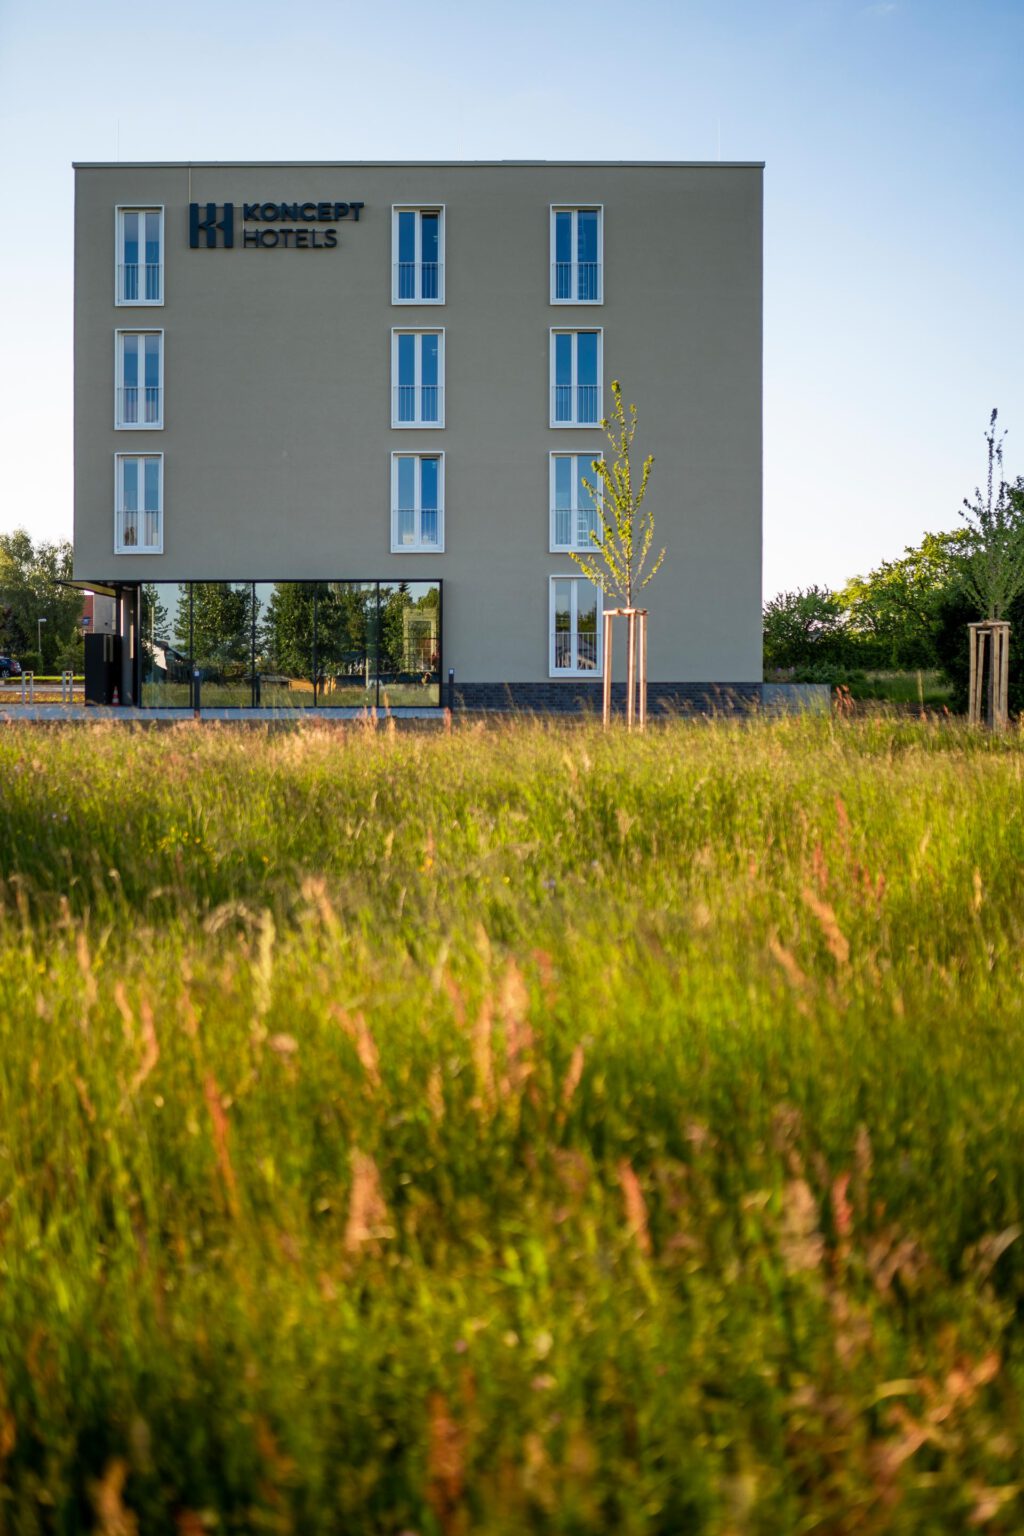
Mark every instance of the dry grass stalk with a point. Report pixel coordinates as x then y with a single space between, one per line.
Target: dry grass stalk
838 944
367 1214
636 1207
219 1125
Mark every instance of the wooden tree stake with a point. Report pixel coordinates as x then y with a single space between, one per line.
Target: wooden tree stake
636 665
988 693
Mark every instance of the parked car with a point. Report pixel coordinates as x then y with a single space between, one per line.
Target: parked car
10 666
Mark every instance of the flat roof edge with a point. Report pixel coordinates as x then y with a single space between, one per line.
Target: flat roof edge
209 165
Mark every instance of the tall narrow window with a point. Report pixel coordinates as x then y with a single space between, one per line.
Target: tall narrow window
575 378
573 514
417 378
576 256
140 256
575 627
139 400
417 503
417 256
138 504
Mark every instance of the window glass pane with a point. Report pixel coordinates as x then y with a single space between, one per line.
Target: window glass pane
428 482
586 608
407 237
586 238
131 237
152 238
131 361
563 481
407 482
429 360
222 614
284 613
130 484
431 228
409 643
563 236
563 358
164 644
563 615
585 471
152 362
406 361
152 484
346 643
586 357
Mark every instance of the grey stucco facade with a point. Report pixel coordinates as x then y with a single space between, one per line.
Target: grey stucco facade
278 392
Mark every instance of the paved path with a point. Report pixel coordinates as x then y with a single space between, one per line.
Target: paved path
124 714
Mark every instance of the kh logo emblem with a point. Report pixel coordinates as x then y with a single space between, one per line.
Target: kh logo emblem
209 225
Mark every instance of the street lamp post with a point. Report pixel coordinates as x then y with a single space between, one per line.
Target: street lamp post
39 633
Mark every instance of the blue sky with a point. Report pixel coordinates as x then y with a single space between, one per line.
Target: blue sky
894 227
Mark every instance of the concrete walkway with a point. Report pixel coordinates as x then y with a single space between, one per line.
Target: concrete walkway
12 714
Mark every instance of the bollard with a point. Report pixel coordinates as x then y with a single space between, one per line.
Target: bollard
28 684
451 687
67 687
196 700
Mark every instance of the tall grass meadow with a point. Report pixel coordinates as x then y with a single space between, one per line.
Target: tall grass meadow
522 1129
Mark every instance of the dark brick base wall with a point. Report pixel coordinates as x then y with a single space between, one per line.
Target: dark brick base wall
580 696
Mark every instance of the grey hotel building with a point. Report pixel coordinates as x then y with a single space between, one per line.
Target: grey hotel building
331 422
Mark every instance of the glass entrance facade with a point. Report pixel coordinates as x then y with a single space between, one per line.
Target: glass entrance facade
291 644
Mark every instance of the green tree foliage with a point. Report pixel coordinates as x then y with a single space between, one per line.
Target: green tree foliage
957 606
222 615
284 633
623 547
805 628
30 590
993 567
892 614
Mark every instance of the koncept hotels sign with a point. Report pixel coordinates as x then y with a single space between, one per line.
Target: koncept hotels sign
292 226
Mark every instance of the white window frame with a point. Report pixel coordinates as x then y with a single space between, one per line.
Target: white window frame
121 548
120 425
418 547
575 331
417 421
575 209
419 209
576 671
575 544
119 211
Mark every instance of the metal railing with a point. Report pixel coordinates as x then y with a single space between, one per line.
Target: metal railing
419 404
576 282
576 405
138 530
575 652
571 527
405 524
421 281
140 406
140 282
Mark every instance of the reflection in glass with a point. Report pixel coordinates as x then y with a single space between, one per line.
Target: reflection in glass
164 645
285 621
292 644
346 643
410 636
222 641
